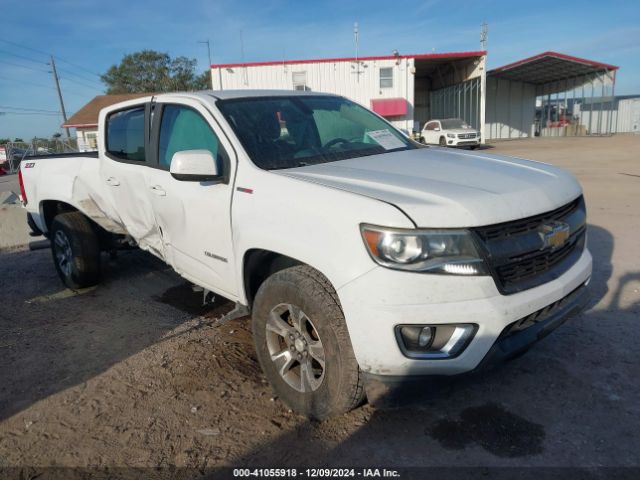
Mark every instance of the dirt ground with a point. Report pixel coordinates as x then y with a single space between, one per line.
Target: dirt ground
134 374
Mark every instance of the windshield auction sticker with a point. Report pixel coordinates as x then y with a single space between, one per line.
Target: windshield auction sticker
386 139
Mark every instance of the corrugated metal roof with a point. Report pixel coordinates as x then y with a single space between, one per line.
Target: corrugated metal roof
549 67
435 56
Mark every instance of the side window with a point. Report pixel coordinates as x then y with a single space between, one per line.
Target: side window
125 134
431 126
183 128
386 77
300 81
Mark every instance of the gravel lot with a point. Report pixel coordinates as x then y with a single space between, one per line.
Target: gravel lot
133 373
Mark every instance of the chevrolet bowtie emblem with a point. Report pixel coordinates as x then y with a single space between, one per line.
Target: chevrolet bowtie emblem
554 234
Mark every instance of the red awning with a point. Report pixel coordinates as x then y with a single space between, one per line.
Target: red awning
389 107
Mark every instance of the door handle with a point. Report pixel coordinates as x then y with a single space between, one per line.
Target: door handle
158 190
113 181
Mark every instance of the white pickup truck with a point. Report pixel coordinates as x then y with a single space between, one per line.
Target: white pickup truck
367 261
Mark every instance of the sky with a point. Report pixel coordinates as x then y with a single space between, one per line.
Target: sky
86 37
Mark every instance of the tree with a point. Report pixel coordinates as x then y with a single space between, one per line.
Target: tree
203 82
151 71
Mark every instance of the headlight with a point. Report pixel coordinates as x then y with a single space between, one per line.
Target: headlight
451 135
430 251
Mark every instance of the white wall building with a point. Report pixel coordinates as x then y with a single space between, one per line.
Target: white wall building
409 90
406 89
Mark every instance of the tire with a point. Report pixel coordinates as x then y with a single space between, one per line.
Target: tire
75 249
442 142
303 293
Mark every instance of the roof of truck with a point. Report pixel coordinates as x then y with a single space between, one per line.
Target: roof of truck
229 94
87 116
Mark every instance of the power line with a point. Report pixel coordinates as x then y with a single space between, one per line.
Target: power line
87 79
42 52
5 62
25 82
79 67
23 57
28 109
67 79
25 47
30 113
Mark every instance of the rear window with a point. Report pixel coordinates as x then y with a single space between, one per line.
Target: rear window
125 134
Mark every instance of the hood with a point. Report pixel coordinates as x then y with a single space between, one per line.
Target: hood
460 130
442 188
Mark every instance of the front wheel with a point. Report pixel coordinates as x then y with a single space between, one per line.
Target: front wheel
303 345
442 142
75 249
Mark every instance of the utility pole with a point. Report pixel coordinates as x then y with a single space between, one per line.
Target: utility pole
356 35
209 56
57 82
484 33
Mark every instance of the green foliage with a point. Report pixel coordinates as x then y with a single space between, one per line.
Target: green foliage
151 71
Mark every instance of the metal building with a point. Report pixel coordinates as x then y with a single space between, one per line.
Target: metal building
622 112
536 96
406 89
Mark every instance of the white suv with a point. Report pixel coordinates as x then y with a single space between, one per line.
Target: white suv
450 132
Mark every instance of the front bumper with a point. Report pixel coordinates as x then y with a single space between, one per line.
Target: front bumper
385 390
381 299
462 142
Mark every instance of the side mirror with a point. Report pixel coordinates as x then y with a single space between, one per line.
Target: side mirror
194 166
437 129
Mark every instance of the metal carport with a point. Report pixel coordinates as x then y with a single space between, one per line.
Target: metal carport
550 94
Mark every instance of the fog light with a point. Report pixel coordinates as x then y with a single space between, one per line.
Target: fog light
434 341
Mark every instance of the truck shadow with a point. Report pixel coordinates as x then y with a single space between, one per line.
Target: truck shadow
54 338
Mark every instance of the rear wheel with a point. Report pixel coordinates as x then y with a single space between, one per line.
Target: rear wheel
442 142
75 249
303 345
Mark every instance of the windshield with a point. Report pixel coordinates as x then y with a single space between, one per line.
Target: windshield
453 123
295 131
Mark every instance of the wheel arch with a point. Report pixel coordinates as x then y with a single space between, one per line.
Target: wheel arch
259 264
50 208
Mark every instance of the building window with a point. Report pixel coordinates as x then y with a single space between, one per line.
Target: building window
91 140
386 77
300 81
